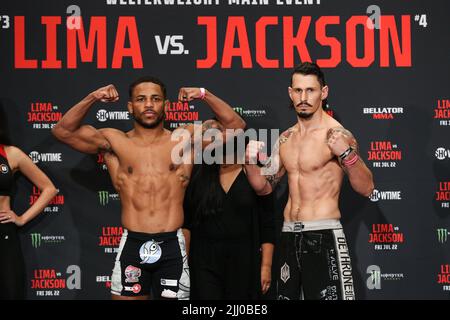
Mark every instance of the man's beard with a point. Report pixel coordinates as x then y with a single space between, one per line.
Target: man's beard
305 115
149 125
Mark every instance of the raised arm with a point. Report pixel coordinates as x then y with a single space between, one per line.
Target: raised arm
85 138
343 144
224 113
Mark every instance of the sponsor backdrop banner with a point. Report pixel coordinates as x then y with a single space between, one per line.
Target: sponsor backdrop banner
386 63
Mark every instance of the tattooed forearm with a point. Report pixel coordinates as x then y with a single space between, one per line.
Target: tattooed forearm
273 180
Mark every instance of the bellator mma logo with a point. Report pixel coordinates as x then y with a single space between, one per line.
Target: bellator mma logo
379 113
384 154
385 236
43 115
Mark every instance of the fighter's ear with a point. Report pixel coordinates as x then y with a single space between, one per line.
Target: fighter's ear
290 91
324 93
130 107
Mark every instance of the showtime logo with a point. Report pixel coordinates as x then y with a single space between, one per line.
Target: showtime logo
375 277
385 236
379 113
43 115
37 157
378 195
104 115
443 194
442 153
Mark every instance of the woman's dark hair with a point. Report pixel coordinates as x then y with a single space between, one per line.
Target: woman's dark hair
204 196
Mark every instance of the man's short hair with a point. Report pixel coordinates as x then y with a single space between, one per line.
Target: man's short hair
147 79
307 68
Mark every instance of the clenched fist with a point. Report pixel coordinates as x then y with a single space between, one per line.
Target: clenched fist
189 94
106 94
339 140
253 152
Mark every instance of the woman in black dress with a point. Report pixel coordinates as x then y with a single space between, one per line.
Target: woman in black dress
12 267
231 234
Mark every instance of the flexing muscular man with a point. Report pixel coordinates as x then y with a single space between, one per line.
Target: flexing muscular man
316 153
152 256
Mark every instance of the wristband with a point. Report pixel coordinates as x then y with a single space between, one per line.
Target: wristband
346 153
202 93
350 162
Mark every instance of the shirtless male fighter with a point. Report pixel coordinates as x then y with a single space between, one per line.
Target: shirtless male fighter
316 153
152 257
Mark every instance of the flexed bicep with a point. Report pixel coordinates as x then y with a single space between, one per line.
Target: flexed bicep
86 139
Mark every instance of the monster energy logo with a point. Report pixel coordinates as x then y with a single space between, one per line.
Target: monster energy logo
442 235
103 197
239 110
374 280
35 240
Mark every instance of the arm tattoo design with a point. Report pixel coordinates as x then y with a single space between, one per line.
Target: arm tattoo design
105 148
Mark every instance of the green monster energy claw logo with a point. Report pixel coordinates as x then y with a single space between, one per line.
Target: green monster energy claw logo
103 197
35 240
442 235
239 110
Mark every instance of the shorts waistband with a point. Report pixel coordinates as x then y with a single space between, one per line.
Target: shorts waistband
143 236
300 226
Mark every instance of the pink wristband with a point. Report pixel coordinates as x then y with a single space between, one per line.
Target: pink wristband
350 162
202 93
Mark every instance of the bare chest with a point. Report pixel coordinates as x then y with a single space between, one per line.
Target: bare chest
137 160
305 155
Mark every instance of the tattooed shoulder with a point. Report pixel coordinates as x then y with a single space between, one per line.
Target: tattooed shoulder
286 135
339 129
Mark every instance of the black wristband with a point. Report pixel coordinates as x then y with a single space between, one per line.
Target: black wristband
346 153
